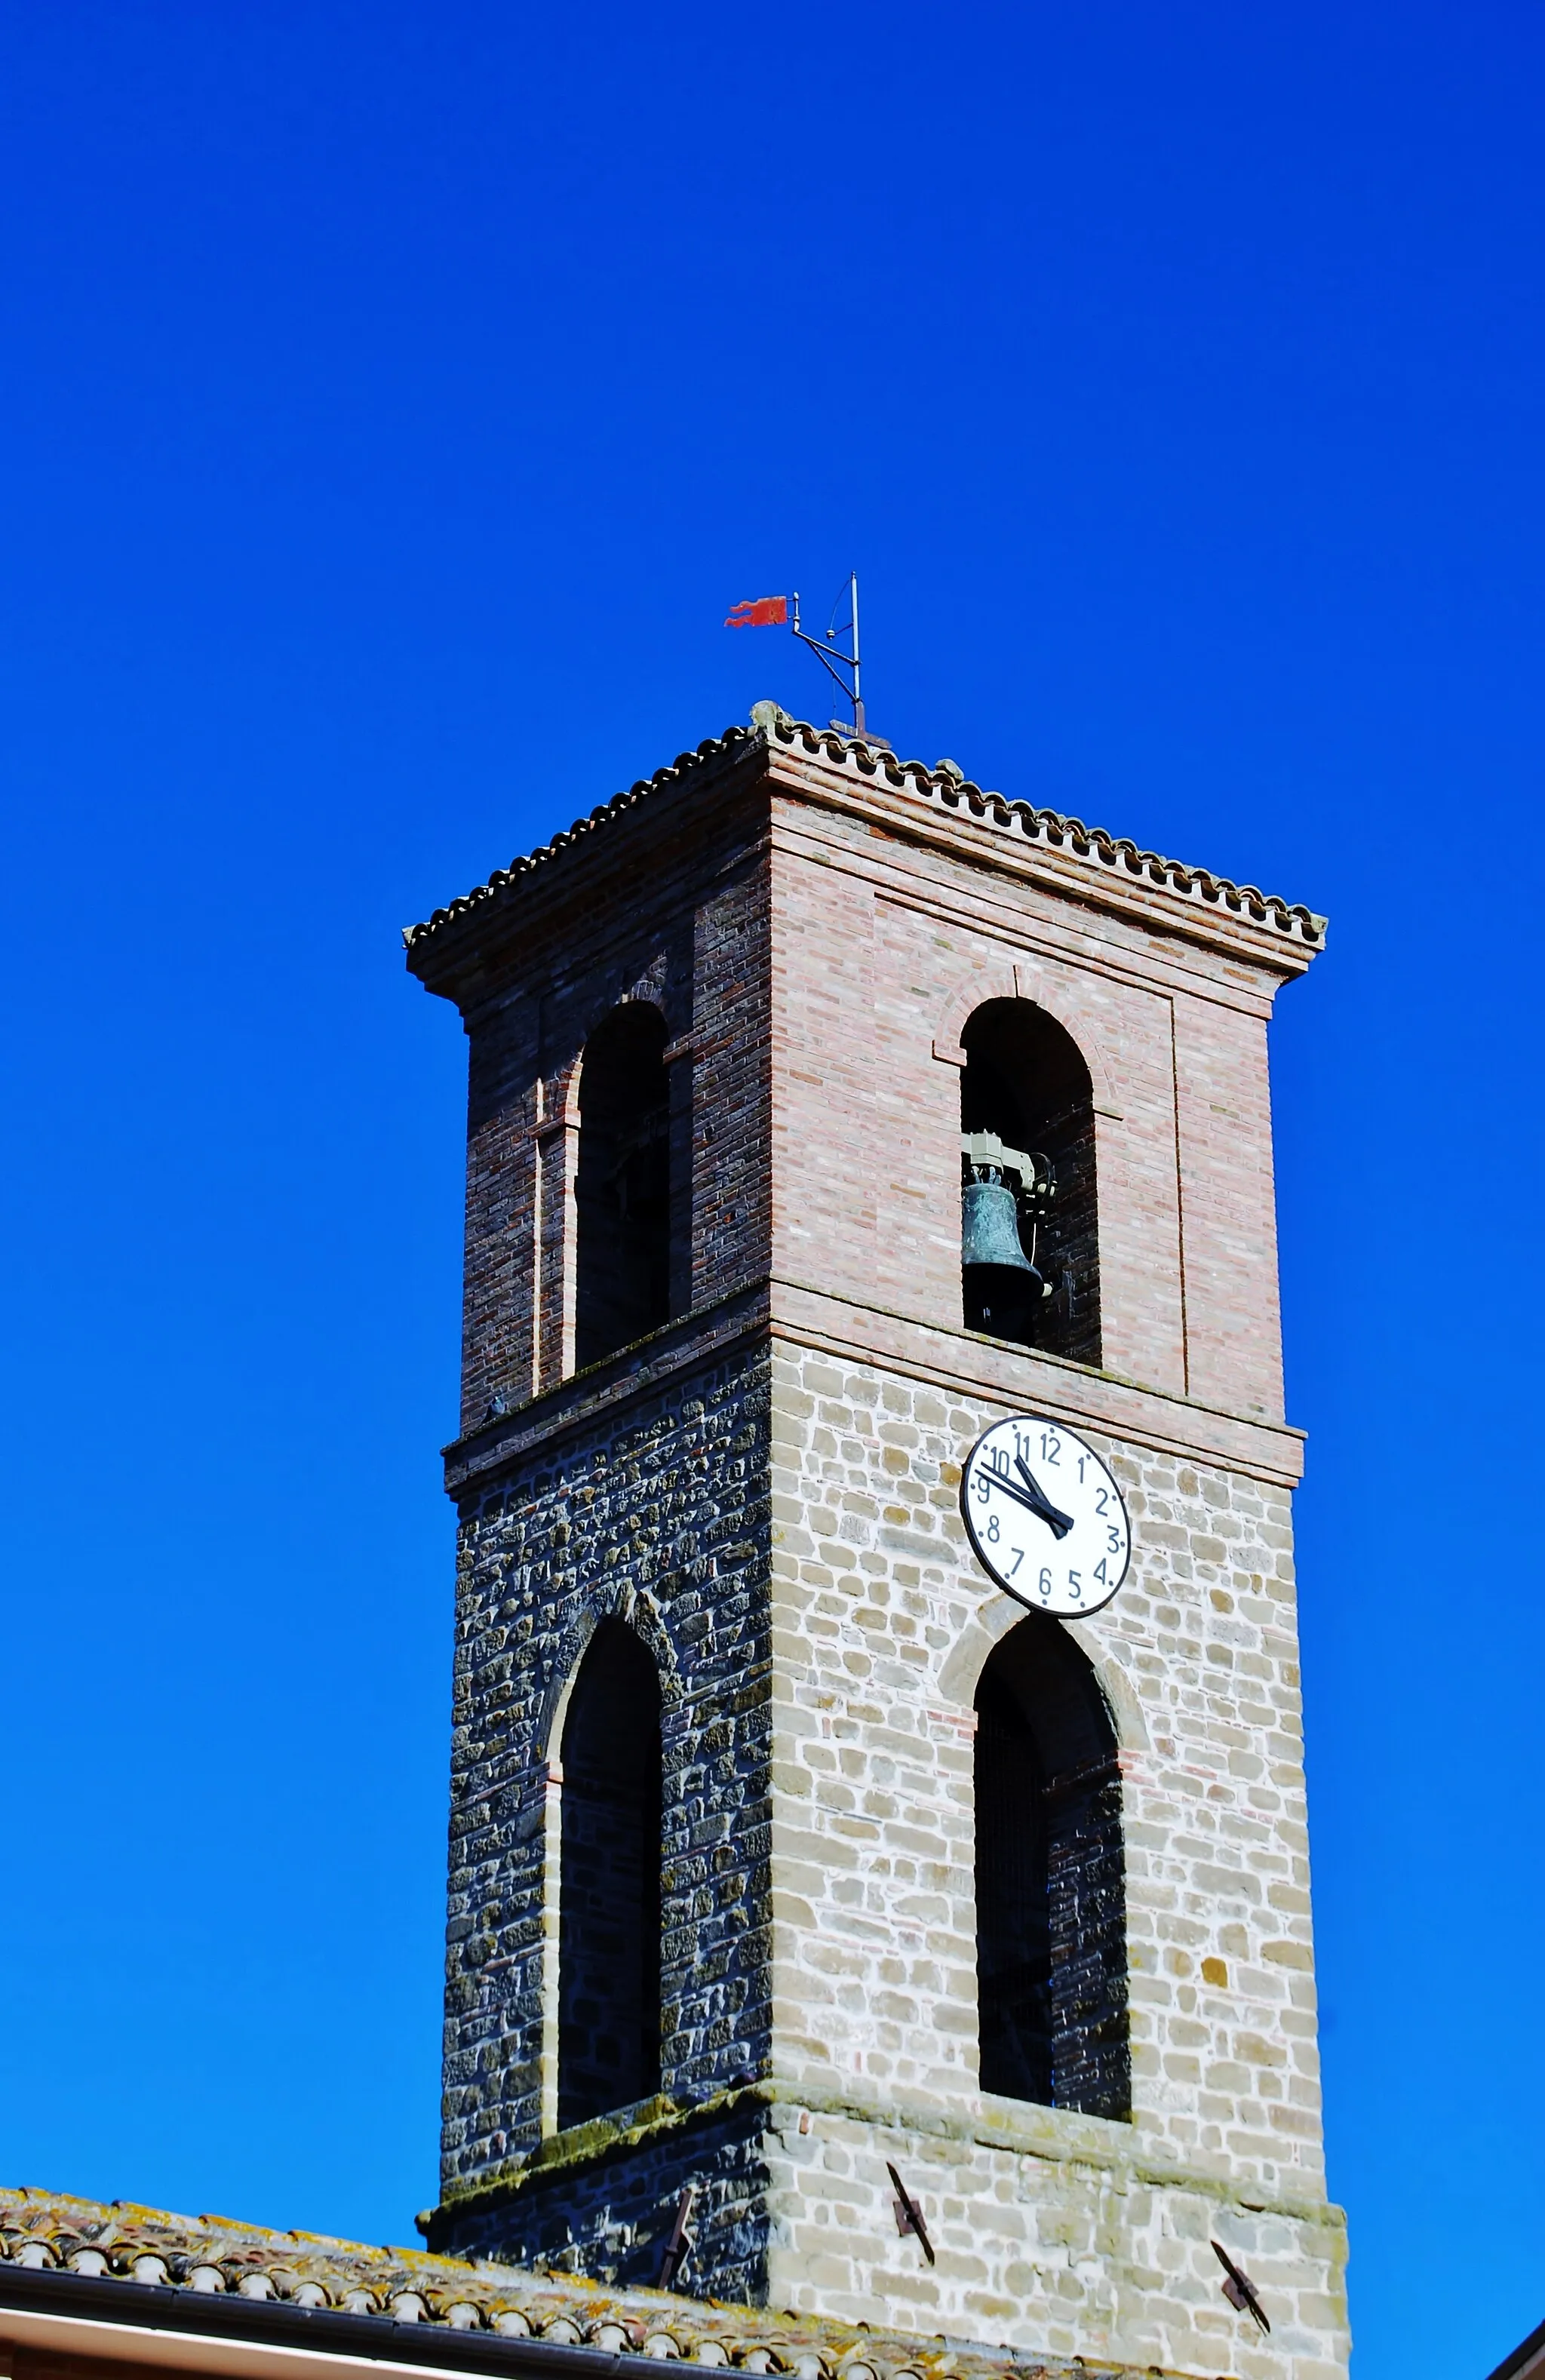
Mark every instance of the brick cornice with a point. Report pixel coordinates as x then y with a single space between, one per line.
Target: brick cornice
987 889
934 807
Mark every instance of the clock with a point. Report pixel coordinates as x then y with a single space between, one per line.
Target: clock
1045 1518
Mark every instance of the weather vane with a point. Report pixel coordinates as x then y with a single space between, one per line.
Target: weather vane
773 612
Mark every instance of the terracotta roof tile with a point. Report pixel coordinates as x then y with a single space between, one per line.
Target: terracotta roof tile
210 2255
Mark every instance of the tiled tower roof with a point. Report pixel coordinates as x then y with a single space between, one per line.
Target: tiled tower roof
942 787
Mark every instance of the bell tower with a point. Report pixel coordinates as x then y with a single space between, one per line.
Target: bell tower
787 1848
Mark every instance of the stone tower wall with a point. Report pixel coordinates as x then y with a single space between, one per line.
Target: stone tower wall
769 1487
1055 2230
656 1514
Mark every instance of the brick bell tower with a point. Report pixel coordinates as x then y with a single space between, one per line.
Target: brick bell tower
785 1846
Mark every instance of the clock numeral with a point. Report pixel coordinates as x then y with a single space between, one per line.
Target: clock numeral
1050 1447
1076 1585
1102 1502
1099 1571
992 1530
1018 1559
1044 1584
1114 1537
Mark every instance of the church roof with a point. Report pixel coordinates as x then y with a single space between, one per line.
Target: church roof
77 2260
943 789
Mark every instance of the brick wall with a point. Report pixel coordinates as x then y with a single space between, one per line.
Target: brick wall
882 951
1025 1081
816 943
671 912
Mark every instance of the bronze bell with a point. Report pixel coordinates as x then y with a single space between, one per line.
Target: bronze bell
1003 1288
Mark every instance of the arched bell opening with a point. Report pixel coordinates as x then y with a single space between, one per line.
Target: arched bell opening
609 1881
1031 1240
1050 1879
623 1184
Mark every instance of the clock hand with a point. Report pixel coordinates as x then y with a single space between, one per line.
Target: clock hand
996 1479
1036 1503
1058 1522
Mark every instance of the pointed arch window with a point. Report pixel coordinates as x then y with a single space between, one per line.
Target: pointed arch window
1050 1879
609 1881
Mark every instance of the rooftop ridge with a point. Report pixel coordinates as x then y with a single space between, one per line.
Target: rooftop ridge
945 788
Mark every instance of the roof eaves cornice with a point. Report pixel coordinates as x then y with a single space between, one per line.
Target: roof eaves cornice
713 747
947 791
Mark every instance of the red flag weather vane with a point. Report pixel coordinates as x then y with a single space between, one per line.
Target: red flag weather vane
773 612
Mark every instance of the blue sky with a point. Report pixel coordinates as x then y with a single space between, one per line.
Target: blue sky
392 400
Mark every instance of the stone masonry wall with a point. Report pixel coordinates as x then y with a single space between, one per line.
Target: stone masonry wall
780 1525
1054 2231
658 1514
1047 2249
604 2206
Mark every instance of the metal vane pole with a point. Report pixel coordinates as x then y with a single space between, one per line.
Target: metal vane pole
857 697
832 657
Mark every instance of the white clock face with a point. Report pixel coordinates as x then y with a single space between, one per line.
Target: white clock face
1044 1516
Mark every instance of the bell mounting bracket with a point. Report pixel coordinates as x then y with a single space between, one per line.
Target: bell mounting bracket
984 1153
